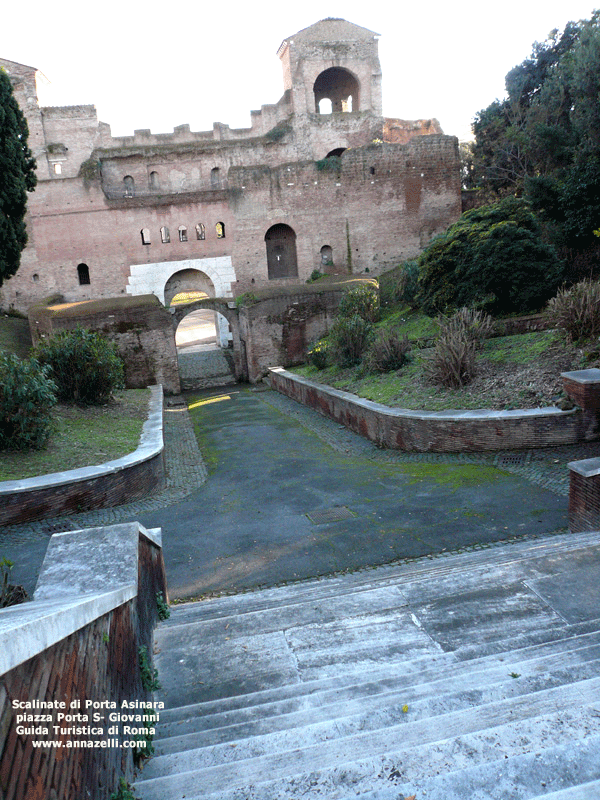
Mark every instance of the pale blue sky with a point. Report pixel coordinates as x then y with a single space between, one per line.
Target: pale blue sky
155 67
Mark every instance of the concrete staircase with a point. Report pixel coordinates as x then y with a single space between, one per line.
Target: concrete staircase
461 677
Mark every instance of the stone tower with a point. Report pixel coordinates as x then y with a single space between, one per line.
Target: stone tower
332 60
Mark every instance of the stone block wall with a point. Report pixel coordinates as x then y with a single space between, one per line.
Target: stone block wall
140 326
95 660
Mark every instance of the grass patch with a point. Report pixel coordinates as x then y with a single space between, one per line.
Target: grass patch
14 336
407 387
408 322
84 436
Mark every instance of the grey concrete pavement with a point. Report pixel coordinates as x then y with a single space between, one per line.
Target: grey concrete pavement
292 495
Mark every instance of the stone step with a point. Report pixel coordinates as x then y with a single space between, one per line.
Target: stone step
427 571
425 747
365 714
584 791
278 710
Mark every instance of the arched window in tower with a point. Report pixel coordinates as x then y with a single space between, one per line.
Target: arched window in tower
200 232
215 178
145 234
129 186
220 230
165 236
340 87
153 181
282 261
183 233
83 274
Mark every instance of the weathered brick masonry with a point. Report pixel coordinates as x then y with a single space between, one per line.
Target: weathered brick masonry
99 662
442 431
340 188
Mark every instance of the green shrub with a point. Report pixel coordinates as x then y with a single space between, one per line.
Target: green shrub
85 366
317 354
27 395
493 258
452 361
348 339
362 300
399 285
577 310
467 323
314 276
388 351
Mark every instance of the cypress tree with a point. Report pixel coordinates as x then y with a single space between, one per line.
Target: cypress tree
17 177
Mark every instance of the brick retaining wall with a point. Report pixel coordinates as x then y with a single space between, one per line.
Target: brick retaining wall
67 646
438 431
111 484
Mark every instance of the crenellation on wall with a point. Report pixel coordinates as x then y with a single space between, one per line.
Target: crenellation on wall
99 218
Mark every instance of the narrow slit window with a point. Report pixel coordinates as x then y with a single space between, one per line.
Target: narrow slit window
83 274
200 232
58 169
145 234
183 233
165 237
154 180
220 229
129 185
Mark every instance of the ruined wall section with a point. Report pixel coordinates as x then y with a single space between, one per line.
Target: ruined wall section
71 134
23 79
381 206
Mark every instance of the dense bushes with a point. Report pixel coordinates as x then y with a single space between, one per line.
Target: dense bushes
388 351
363 301
493 258
348 339
27 395
86 367
577 310
452 361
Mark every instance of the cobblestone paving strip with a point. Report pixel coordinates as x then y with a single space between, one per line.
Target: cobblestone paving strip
185 472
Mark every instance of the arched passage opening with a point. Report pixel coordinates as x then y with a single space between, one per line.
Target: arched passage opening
282 261
199 328
340 87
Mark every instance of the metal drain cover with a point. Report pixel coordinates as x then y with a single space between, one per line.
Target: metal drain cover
512 460
59 527
336 514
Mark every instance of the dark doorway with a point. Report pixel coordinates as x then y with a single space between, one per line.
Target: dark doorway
281 252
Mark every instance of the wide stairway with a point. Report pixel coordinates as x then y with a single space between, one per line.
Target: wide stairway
461 677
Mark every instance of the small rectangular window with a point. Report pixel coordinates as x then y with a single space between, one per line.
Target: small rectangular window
58 169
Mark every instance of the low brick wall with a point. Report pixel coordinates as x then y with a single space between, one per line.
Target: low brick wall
94 607
438 431
111 484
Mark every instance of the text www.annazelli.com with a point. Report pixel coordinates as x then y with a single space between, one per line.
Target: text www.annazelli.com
87 743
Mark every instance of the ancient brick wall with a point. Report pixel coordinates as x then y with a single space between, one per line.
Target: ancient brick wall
278 331
140 326
422 431
98 662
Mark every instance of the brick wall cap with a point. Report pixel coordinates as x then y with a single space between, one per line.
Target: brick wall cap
587 467
85 575
447 415
582 375
150 445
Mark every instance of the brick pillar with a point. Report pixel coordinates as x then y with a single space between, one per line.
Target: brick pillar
584 495
583 387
